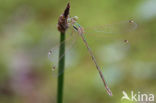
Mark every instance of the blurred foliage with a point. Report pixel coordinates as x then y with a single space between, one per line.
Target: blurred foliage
28 31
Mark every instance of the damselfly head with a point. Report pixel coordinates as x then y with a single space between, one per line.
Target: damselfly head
72 20
75 18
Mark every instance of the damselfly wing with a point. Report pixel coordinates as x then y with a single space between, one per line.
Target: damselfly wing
53 53
121 27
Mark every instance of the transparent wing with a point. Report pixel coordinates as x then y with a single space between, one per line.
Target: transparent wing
122 28
116 28
53 54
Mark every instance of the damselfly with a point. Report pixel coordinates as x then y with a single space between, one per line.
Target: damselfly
125 26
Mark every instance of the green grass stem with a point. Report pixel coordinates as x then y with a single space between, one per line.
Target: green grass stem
61 69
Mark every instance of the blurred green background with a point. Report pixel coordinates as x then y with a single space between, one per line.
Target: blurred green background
28 30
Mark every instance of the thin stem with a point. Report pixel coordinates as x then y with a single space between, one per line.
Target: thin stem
61 69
